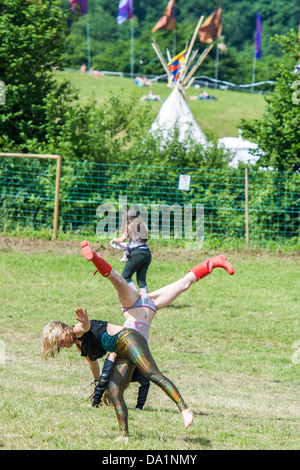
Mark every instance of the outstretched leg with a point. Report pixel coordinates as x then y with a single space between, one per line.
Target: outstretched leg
127 295
119 381
166 295
133 346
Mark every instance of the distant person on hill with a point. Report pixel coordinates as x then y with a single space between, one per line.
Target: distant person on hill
83 68
203 96
138 81
142 81
150 97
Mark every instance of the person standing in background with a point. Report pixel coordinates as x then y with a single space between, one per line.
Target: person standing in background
139 258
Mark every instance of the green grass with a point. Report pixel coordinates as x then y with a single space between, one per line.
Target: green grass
220 117
227 343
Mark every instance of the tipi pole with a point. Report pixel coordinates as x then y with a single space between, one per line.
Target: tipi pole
191 45
192 58
190 83
217 65
160 56
197 64
174 42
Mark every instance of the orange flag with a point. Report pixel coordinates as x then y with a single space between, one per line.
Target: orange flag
212 26
168 21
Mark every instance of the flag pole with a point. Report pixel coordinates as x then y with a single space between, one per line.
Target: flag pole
174 42
257 46
217 65
131 47
253 69
88 43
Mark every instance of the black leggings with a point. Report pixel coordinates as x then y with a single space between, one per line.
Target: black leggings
139 260
132 351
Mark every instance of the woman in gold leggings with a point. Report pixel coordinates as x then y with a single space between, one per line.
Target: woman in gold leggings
94 338
140 309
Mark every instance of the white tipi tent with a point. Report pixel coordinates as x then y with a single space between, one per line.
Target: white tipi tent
175 111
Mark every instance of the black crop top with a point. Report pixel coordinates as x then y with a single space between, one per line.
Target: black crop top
91 344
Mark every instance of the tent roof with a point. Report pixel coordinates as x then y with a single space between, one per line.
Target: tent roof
241 148
175 111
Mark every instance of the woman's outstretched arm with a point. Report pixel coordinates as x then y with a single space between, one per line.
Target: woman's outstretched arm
84 324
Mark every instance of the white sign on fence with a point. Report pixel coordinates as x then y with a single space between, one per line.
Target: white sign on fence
184 182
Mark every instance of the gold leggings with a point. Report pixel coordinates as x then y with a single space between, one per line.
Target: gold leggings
132 351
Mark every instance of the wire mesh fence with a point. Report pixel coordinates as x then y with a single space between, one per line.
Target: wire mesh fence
258 209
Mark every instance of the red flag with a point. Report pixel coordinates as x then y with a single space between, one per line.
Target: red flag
168 21
212 26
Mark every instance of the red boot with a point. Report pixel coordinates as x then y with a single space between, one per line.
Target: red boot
206 267
102 266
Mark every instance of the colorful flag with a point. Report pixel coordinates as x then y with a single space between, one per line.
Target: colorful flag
125 11
82 6
168 21
176 64
212 26
258 36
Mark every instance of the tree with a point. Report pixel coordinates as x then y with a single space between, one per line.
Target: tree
278 132
32 39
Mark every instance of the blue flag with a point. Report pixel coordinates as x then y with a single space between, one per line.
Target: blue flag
125 11
81 5
258 36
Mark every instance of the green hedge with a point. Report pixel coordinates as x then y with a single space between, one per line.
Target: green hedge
27 197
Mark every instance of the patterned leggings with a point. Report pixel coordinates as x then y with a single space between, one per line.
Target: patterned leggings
132 351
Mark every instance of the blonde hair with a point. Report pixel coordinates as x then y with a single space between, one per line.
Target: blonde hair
52 336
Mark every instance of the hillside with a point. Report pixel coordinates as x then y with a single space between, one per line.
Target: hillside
110 43
220 116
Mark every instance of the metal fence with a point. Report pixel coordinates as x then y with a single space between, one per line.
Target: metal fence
246 207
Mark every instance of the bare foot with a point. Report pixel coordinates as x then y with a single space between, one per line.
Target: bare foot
123 438
188 417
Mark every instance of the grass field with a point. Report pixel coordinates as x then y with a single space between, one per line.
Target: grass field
228 343
220 117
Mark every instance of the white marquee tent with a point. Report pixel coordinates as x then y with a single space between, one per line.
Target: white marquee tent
241 149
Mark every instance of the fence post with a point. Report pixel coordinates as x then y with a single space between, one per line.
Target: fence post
57 181
247 206
56 200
